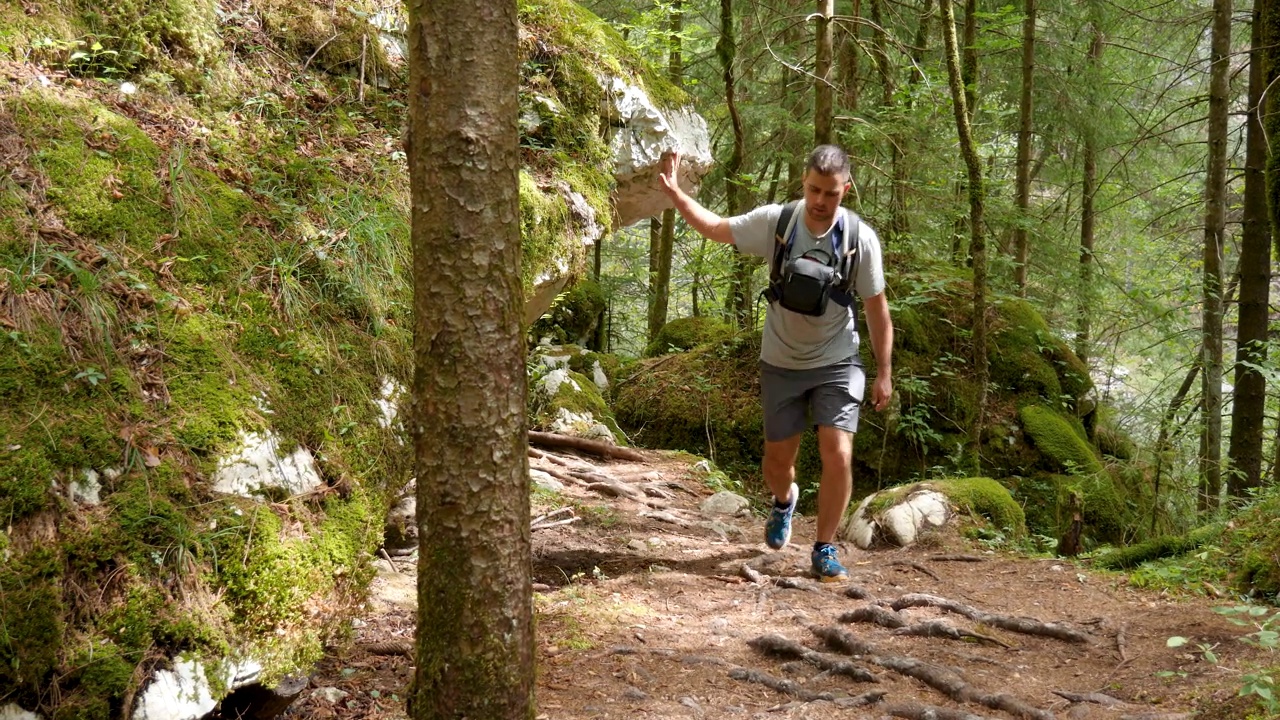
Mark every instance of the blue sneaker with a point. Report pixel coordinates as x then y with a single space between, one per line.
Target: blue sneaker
826 566
777 531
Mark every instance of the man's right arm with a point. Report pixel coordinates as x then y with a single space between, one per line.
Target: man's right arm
707 223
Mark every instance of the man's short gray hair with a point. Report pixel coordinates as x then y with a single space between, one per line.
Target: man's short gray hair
829 160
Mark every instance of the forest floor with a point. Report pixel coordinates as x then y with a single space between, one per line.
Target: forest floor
642 617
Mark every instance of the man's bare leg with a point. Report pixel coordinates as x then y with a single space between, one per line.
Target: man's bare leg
779 466
836 448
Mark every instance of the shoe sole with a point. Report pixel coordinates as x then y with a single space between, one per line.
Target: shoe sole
833 578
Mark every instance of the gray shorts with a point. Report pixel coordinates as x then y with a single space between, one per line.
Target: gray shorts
795 399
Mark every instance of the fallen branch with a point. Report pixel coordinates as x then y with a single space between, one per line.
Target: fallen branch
595 447
1120 644
883 617
404 648
929 712
1158 716
754 575
957 558
917 566
942 629
943 679
778 646
557 523
1027 626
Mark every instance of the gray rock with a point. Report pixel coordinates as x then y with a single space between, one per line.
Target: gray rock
725 503
634 693
259 464
329 694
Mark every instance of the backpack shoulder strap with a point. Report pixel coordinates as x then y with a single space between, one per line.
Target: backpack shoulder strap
849 256
780 237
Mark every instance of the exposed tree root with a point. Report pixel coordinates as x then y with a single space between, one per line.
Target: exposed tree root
594 447
957 558
929 712
876 614
943 679
943 629
779 646
1095 698
916 566
404 648
858 593
1027 626
866 698
1158 716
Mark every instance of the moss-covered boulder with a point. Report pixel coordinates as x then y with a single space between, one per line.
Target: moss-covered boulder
573 317
1061 442
686 333
900 515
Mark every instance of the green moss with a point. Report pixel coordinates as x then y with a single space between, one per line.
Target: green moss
544 225
979 496
1252 547
573 316
1108 515
101 168
1159 547
32 619
685 333
579 34
210 390
1059 440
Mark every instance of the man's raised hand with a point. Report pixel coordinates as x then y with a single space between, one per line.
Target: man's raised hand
669 175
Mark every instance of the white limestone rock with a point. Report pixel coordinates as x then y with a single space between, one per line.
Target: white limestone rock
642 134
901 523
86 489
185 692
259 464
13 712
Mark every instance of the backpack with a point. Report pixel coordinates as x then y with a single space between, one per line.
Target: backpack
805 284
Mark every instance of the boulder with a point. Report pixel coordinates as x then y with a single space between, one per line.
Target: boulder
725 503
642 134
901 522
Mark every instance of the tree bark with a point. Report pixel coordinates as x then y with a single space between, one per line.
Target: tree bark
1026 122
969 57
661 252
888 85
1088 187
740 290
1248 407
977 242
823 112
475 651
1214 224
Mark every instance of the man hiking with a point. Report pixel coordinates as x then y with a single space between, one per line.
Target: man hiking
823 258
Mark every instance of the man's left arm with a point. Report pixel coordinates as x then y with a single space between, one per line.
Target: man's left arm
880 325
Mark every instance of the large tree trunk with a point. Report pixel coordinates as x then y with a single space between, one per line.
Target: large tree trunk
475 642
1250 396
1088 187
977 243
1026 122
1214 223
739 296
823 112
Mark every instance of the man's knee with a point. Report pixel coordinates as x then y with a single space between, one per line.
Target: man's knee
835 447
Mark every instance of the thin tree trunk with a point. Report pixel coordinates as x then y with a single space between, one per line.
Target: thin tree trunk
851 60
823 111
739 295
1162 442
897 188
597 262
474 655
1026 122
977 243
1249 398
1088 187
1215 213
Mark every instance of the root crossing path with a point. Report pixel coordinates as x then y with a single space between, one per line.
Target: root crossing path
650 606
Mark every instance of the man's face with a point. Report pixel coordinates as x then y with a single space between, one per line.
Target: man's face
823 195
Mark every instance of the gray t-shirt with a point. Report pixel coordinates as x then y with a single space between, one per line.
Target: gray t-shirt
801 342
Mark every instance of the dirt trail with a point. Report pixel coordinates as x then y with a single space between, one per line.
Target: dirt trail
639 617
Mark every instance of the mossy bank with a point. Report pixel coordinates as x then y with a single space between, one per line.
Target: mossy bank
204 239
